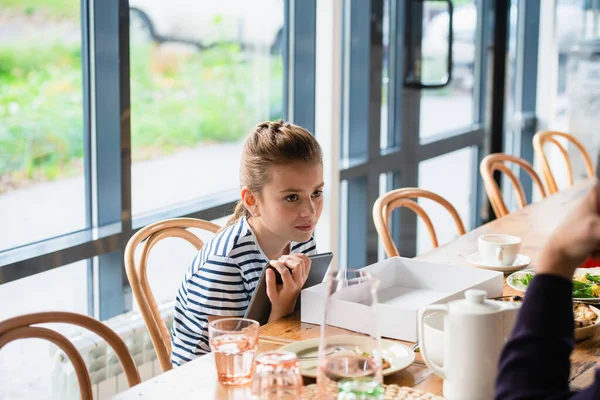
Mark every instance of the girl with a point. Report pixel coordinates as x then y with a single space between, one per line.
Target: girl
282 182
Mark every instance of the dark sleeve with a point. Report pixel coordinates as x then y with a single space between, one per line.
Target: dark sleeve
535 363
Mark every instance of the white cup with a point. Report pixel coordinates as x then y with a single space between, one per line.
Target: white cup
499 249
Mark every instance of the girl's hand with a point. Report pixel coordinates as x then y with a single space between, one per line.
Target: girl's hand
294 271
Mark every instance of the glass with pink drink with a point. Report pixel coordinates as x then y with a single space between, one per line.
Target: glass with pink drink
277 376
233 342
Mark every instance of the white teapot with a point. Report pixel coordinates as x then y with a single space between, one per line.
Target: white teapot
475 329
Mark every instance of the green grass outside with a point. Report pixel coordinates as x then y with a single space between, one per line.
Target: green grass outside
53 8
205 97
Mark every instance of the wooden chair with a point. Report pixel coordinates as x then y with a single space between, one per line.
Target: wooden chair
385 204
138 276
494 162
21 328
544 137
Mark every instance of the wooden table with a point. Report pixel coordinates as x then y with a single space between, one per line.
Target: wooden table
534 224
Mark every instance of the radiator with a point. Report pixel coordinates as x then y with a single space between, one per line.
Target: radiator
103 365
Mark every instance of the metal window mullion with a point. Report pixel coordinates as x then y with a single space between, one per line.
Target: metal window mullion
409 108
87 167
300 58
528 23
448 145
477 211
112 144
355 126
35 258
125 128
358 56
396 75
482 54
394 163
394 160
393 179
208 212
374 139
361 115
498 87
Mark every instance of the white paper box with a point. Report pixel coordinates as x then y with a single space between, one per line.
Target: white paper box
407 285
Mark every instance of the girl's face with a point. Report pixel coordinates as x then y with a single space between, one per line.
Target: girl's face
291 203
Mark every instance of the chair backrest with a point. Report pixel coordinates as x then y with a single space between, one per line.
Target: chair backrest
21 328
385 204
496 162
137 274
544 137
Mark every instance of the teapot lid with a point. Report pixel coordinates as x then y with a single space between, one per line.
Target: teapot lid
474 303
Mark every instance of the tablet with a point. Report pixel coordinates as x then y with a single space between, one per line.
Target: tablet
259 308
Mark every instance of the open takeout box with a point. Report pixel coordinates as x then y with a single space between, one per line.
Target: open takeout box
406 285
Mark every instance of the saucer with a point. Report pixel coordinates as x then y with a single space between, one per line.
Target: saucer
520 262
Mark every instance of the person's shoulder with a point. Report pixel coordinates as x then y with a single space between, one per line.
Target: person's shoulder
234 244
241 244
226 242
308 247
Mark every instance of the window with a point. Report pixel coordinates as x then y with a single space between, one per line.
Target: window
203 74
398 131
42 188
112 118
459 191
449 108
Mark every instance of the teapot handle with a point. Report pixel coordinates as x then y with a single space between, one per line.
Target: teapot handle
430 310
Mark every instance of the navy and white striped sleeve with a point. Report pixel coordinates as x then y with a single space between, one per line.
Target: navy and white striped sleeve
215 289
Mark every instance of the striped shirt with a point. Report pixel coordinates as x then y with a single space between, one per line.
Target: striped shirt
220 281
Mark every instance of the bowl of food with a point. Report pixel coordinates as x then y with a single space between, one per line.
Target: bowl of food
587 320
586 317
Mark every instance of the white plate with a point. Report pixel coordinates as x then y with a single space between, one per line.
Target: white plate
511 281
397 354
522 261
588 331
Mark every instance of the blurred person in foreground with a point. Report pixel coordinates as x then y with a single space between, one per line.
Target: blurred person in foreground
535 362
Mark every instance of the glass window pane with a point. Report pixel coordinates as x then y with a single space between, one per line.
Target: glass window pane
386 141
511 70
41 121
26 366
203 73
449 108
459 191
573 23
578 89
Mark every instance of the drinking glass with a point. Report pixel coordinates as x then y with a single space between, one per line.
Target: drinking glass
277 376
233 342
352 354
